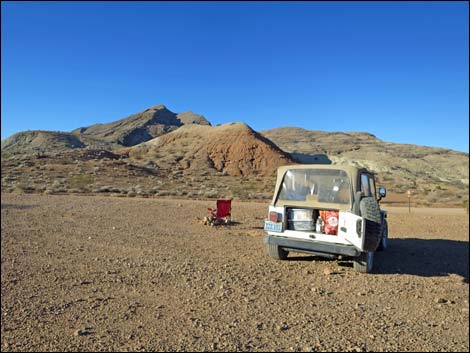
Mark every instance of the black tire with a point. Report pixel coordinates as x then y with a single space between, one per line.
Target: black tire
384 241
276 252
364 262
373 223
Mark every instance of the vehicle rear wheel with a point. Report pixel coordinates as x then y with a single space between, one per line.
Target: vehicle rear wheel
276 252
364 262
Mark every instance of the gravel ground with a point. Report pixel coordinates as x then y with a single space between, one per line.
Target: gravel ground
101 273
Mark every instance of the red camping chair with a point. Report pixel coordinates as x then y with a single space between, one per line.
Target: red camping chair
222 214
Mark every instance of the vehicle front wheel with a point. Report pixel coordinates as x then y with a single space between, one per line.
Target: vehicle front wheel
364 262
276 252
384 241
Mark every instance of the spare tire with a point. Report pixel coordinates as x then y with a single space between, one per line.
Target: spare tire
369 209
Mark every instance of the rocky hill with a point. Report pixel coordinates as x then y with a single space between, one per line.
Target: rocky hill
141 127
39 142
182 154
129 131
231 149
433 174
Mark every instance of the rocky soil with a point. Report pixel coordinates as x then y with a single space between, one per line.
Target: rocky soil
106 273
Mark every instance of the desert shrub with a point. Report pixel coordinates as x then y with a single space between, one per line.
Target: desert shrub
40 188
117 195
154 190
211 194
465 204
138 154
18 189
105 188
446 193
387 177
80 181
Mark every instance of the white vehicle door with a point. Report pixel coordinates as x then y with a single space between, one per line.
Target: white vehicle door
352 229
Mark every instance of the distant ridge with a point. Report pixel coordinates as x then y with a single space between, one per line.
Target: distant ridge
435 173
157 141
132 130
32 141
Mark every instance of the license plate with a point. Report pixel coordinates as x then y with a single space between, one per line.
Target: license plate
273 226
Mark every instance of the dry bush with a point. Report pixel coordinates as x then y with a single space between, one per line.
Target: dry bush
80 181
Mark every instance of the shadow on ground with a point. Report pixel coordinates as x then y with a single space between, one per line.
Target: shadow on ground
6 206
424 257
418 257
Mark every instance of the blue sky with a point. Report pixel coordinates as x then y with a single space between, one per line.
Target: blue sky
396 70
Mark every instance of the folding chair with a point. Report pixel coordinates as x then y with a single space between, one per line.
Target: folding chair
222 214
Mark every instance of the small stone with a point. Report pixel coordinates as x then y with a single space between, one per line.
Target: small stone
82 332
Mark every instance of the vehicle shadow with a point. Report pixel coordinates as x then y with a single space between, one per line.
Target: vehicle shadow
18 207
412 256
424 257
309 258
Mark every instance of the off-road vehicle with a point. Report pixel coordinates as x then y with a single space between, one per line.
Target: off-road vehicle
329 211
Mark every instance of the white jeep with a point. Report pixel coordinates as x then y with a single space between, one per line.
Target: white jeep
326 210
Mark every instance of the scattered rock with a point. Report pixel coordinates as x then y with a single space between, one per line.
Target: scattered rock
86 331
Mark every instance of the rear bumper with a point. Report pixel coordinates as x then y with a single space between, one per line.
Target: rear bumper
312 247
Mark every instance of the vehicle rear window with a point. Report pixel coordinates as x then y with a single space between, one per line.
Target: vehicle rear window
323 185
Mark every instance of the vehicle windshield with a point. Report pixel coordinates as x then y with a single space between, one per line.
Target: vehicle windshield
322 185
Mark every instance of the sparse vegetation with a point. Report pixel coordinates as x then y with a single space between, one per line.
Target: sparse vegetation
80 181
183 164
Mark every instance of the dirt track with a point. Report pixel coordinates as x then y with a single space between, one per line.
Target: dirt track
102 273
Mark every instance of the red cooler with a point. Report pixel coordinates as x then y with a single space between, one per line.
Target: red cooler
331 221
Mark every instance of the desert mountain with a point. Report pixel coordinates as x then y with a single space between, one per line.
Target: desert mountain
434 172
232 149
141 127
160 152
38 141
130 131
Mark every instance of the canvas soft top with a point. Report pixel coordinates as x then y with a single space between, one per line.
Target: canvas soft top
352 172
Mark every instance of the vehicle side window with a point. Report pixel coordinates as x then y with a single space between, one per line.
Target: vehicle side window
372 186
365 186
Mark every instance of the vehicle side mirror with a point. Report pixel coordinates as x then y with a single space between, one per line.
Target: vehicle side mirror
382 192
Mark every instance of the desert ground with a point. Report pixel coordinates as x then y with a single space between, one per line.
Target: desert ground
100 273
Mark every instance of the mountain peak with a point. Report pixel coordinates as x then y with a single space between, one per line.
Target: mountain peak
157 107
140 127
